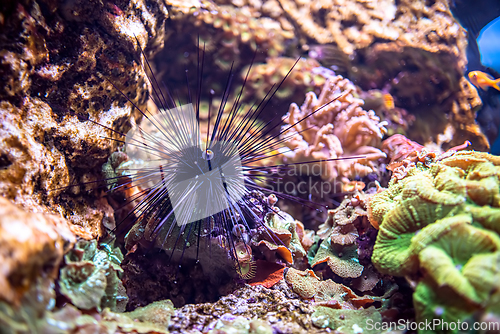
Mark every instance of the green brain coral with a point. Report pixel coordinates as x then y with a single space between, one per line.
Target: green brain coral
440 223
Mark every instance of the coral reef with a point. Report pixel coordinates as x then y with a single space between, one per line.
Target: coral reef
438 219
345 245
231 29
154 318
357 25
33 246
339 235
280 308
337 306
325 293
337 128
73 71
415 50
281 238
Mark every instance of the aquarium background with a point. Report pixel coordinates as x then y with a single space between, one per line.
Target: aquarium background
377 208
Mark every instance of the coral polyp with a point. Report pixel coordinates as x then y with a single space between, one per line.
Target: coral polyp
245 265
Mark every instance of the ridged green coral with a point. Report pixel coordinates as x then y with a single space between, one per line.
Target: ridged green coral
440 223
342 259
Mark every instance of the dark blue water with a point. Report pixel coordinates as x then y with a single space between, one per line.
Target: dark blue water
481 19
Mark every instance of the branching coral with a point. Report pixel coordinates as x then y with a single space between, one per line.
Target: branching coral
338 129
438 220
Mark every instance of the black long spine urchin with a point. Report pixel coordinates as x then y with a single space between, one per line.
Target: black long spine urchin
180 155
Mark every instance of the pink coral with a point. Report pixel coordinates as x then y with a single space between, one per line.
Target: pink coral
337 128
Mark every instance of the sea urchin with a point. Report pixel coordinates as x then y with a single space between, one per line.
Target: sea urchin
186 186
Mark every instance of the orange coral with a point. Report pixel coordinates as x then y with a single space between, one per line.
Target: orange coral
306 236
398 147
405 153
267 274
